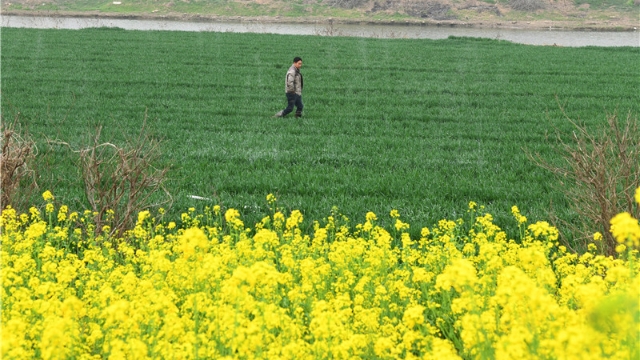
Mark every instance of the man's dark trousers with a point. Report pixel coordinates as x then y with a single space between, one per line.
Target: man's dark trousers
293 99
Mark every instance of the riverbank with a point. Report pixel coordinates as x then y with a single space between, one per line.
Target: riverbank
544 37
600 21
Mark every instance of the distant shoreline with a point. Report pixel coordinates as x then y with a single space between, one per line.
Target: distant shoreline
608 26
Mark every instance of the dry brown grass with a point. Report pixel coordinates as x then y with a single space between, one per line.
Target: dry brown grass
121 181
18 153
598 172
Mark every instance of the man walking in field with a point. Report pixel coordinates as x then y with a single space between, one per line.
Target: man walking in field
293 87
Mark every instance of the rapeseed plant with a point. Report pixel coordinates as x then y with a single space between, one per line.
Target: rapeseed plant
209 287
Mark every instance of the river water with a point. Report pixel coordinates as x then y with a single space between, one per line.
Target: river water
530 37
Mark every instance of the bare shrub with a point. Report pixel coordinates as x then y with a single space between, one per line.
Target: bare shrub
328 30
598 174
121 181
431 10
18 153
527 5
384 5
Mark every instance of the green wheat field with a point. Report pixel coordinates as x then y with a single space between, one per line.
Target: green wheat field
421 126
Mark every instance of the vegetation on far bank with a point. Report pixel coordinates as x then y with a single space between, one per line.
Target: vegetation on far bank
594 14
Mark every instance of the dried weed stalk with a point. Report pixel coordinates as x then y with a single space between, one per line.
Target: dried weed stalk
120 182
598 174
18 153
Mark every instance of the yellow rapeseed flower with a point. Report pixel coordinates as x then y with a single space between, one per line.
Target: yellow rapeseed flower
401 226
425 232
47 196
62 213
294 219
207 290
232 216
543 229
142 216
35 213
460 274
278 219
625 228
371 217
516 213
35 230
413 316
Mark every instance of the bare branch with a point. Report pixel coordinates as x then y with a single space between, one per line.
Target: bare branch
598 172
18 153
122 179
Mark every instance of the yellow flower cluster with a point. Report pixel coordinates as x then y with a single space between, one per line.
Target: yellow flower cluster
212 288
626 230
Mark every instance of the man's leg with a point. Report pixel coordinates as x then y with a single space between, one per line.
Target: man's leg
291 100
299 105
290 103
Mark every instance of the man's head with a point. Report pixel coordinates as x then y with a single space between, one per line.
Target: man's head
297 62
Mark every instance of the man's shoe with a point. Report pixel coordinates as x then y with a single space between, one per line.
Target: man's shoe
298 114
278 114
